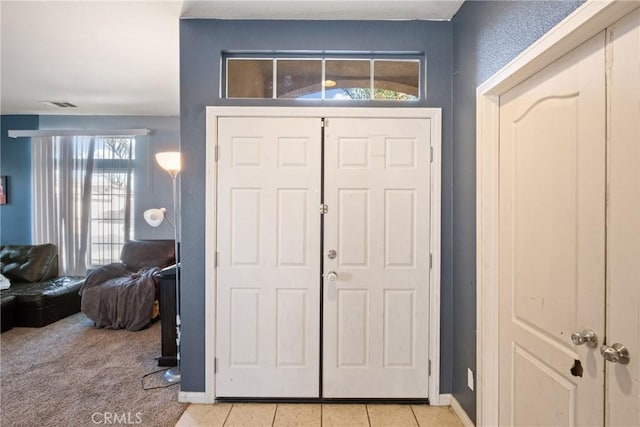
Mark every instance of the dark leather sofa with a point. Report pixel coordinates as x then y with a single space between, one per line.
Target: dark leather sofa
37 296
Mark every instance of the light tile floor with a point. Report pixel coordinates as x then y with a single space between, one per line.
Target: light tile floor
316 415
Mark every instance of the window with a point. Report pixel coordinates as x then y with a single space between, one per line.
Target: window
325 78
112 198
82 199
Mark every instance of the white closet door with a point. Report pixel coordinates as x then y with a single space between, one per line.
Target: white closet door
623 222
552 242
268 263
376 313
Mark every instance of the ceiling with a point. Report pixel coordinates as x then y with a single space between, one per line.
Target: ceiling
121 57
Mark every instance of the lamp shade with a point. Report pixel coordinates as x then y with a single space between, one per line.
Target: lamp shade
169 161
154 217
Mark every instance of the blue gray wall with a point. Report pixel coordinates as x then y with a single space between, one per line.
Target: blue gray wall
486 36
201 44
15 163
152 184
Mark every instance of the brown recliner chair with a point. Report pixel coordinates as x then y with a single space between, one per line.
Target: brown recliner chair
121 295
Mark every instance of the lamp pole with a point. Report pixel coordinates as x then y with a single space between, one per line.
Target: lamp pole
171 162
173 374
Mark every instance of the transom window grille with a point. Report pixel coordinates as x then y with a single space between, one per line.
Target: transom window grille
327 78
112 198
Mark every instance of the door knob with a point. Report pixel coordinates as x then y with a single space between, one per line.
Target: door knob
587 336
617 353
332 276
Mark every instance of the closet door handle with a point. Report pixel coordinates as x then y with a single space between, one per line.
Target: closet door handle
587 336
617 353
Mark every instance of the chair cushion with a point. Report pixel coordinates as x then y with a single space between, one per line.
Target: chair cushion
139 254
29 263
44 293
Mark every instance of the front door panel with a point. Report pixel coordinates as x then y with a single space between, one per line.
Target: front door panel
376 311
269 245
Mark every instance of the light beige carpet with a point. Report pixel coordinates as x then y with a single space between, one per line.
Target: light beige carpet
71 374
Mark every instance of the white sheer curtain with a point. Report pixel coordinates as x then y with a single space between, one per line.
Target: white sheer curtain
61 173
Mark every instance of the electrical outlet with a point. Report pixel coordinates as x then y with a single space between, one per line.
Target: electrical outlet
470 379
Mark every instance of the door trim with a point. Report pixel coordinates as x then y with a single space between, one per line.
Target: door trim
585 22
213 113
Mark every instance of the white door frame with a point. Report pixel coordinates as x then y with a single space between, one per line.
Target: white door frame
213 113
586 21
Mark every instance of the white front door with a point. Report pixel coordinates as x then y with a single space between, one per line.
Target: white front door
376 241
552 242
377 187
268 287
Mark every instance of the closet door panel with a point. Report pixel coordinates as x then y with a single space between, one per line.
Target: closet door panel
552 241
623 221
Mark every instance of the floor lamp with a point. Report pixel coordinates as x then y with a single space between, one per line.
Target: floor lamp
170 161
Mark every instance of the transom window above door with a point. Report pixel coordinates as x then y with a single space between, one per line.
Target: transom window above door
395 78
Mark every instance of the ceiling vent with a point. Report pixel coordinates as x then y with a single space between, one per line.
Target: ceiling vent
59 104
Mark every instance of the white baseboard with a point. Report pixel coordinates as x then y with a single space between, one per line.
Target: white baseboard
443 400
455 405
193 397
